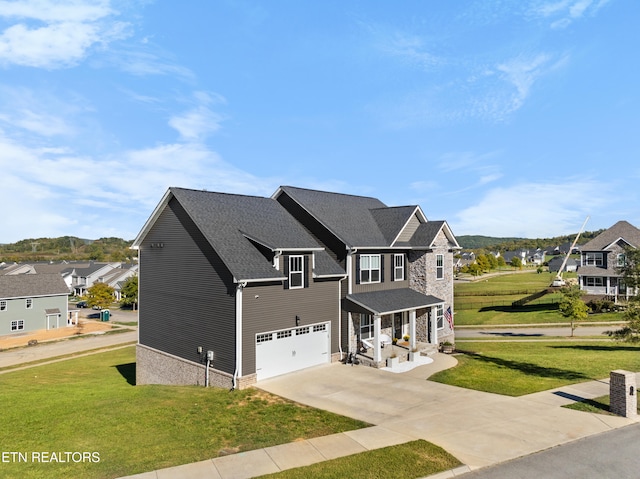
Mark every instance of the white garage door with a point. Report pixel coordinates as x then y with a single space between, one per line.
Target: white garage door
288 350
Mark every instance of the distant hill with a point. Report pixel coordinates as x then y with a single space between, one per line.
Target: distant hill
66 248
477 242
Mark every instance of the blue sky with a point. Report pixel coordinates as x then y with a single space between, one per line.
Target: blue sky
505 118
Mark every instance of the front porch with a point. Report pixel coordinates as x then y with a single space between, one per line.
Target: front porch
396 323
400 350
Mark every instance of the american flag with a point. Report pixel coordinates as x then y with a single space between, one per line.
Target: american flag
449 317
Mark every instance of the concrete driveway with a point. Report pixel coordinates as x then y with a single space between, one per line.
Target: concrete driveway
480 429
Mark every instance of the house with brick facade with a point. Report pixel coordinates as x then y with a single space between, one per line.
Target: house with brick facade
234 289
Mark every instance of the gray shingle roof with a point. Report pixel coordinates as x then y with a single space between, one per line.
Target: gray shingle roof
394 300
349 217
230 222
32 285
360 221
622 229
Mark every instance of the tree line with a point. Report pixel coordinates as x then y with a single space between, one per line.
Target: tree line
68 248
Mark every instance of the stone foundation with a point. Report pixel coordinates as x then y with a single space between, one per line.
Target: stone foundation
157 367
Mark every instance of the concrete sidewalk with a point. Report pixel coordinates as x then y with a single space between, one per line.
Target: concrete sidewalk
269 460
480 429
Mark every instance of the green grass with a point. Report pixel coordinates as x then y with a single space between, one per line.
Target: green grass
599 405
517 368
488 302
91 404
413 459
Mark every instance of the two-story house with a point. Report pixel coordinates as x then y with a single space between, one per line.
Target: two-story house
30 302
234 289
85 276
399 266
601 258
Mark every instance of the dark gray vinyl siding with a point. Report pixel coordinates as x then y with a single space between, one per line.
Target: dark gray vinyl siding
271 307
187 296
388 282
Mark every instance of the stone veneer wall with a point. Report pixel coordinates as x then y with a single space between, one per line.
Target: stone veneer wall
422 278
157 367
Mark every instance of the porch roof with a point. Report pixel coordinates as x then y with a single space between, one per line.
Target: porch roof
390 301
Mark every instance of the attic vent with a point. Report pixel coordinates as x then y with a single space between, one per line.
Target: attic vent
157 245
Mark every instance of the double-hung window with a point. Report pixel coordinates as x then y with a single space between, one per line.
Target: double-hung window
370 268
28 303
439 266
593 259
17 325
3 305
296 272
398 267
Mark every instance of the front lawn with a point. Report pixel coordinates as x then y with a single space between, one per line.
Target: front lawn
91 405
413 459
518 368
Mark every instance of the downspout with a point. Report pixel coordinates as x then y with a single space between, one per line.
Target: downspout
238 370
349 267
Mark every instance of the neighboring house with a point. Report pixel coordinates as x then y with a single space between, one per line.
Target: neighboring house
85 276
522 254
257 287
556 263
536 257
117 277
30 302
602 256
17 268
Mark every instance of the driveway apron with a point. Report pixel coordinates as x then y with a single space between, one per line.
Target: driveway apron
478 428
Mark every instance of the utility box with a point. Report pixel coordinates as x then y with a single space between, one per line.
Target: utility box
623 396
105 315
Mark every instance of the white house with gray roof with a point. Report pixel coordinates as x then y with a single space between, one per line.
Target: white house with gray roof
234 289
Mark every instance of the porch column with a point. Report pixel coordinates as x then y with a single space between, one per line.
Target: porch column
377 352
412 329
433 328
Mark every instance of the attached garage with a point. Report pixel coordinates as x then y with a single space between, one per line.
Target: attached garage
288 350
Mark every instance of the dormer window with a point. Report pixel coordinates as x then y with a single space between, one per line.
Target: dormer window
296 272
593 259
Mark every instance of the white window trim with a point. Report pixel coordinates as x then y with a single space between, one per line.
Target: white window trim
398 268
440 316
28 303
371 269
439 268
621 259
4 305
292 271
593 259
17 325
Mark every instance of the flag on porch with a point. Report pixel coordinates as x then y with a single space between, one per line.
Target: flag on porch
449 317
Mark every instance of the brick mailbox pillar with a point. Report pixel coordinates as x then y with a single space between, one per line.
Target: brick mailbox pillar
623 396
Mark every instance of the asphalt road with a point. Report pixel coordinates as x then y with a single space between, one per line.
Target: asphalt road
16 356
506 332
609 455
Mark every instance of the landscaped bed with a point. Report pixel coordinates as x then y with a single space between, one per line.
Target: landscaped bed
91 405
518 368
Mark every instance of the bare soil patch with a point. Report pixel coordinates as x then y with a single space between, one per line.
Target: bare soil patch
84 327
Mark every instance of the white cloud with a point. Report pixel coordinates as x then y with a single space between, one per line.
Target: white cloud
56 34
532 210
196 124
565 12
